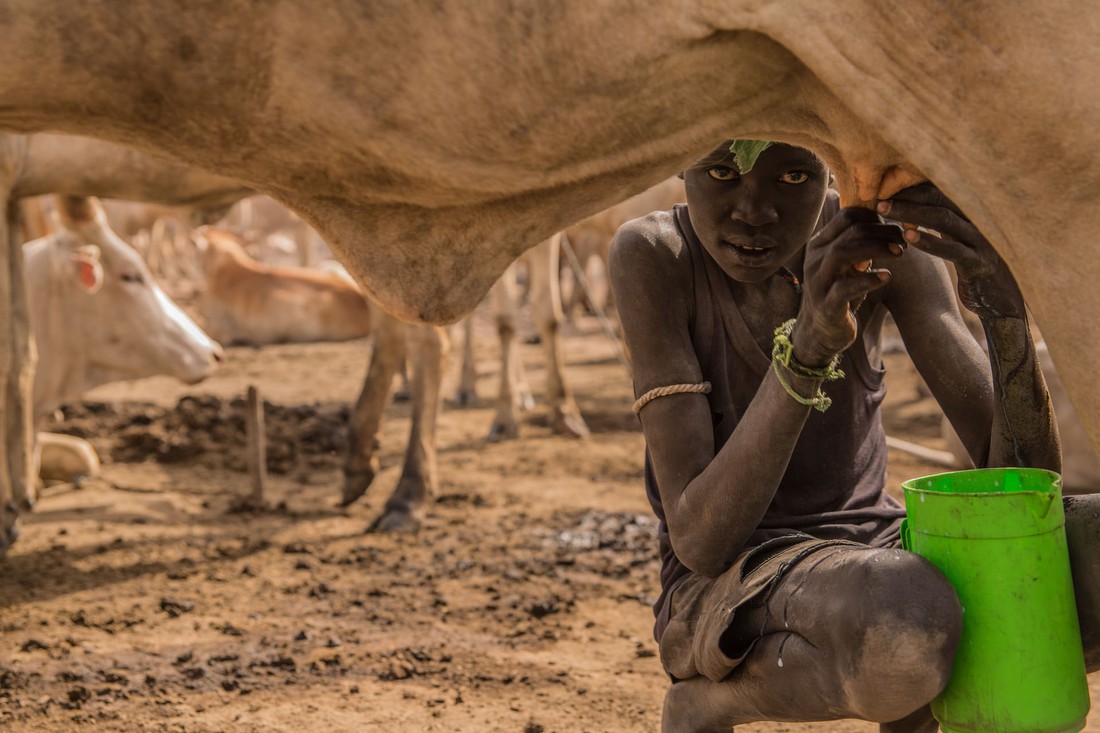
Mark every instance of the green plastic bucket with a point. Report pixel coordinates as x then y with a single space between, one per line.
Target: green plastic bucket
998 534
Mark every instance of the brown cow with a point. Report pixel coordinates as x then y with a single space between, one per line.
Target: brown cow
247 302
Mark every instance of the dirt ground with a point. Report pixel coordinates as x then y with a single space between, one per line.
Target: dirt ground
144 601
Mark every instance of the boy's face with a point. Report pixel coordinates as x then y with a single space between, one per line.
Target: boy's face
753 223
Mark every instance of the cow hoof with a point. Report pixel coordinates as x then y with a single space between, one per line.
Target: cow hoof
465 398
395 521
8 537
570 425
356 484
501 431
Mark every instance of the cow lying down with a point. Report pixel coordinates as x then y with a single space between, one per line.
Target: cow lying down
247 302
98 316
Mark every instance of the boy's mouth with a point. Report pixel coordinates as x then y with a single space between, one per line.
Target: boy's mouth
747 247
748 254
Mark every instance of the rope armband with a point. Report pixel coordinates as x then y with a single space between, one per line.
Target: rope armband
700 388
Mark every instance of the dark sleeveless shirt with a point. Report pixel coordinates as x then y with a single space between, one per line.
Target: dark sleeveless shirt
834 484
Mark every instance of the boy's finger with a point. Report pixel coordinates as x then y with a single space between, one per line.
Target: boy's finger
860 245
928 195
933 217
846 289
947 249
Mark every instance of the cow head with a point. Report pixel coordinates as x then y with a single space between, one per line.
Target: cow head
99 316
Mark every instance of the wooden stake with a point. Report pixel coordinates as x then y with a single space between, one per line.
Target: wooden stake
256 447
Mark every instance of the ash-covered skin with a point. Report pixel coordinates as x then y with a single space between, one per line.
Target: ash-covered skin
986 288
822 643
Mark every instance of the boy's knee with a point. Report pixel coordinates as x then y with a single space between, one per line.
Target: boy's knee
903 635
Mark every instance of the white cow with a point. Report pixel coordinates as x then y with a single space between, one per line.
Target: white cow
514 394
30 166
590 237
98 316
247 302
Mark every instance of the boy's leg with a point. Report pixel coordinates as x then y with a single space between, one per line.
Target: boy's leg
846 633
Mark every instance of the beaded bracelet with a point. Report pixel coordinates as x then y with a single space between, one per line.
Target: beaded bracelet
783 355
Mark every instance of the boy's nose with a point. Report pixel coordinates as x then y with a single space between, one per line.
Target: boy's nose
754 211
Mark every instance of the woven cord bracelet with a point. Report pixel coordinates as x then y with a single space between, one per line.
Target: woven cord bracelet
783 356
701 388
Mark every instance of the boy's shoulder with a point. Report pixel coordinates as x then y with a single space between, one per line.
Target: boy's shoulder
656 230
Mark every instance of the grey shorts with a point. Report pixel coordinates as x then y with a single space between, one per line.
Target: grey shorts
702 608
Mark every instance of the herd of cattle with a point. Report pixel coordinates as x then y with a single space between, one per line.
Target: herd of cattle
432 143
99 315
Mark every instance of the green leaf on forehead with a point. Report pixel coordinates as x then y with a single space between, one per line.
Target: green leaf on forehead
745 152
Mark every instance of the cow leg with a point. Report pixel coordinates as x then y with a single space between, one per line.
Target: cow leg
427 347
17 358
404 392
514 393
545 300
466 394
366 418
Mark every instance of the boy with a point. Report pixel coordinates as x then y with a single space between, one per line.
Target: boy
753 315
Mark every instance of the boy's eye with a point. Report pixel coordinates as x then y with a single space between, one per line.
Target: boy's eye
722 173
795 177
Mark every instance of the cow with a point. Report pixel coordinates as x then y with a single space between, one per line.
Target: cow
277 236
513 393
591 237
430 143
98 316
247 302
160 232
31 166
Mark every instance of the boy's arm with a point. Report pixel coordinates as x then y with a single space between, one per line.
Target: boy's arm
999 405
712 503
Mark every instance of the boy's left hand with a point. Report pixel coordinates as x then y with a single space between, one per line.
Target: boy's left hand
986 286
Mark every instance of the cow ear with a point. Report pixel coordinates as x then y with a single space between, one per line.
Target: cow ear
198 236
89 270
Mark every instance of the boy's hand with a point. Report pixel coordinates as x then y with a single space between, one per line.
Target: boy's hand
986 286
838 275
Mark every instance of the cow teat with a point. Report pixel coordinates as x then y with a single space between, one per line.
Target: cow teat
864 185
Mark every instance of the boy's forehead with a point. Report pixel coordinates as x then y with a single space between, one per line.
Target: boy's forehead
721 155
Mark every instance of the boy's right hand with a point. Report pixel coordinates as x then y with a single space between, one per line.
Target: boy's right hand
837 276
